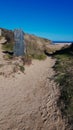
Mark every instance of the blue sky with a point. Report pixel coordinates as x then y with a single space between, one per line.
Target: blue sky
52 19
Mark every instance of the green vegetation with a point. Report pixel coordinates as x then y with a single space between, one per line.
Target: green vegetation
8 47
17 67
22 69
35 45
64 69
35 51
39 56
8 57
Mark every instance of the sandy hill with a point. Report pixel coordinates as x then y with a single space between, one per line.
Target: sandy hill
8 34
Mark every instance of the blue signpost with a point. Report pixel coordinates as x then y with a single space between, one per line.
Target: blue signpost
19 43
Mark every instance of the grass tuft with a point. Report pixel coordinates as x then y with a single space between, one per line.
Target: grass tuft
22 69
64 69
8 47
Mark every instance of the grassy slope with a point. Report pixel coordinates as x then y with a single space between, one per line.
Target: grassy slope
35 46
64 69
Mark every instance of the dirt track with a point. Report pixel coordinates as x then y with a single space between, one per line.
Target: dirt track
29 101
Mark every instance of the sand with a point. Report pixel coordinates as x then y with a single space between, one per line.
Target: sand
29 101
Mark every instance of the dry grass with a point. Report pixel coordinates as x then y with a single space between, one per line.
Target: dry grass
64 69
35 52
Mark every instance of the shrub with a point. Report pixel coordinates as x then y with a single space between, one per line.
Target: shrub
21 68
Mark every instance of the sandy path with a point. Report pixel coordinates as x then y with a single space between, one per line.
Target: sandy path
29 102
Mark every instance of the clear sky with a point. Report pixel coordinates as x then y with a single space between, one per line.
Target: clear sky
52 19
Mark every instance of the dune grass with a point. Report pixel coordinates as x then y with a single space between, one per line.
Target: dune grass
7 47
64 69
35 51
